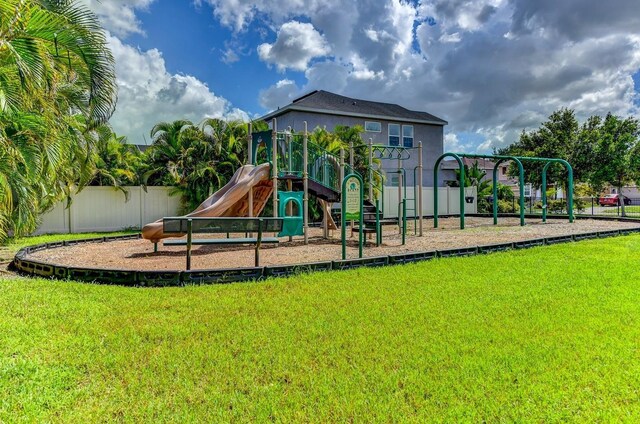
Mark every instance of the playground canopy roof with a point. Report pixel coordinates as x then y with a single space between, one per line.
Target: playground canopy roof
320 101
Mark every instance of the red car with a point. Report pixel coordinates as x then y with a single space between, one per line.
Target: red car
612 200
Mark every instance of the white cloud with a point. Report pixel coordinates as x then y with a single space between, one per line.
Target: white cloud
148 94
278 95
119 17
451 143
296 44
229 56
450 38
490 67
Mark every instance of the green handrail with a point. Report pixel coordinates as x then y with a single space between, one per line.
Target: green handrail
323 167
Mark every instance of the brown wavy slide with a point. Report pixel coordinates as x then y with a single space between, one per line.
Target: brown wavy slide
230 200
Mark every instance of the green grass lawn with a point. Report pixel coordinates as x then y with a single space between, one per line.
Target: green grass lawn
546 334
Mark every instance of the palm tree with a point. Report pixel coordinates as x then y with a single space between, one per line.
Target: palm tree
196 161
57 85
227 138
118 163
165 150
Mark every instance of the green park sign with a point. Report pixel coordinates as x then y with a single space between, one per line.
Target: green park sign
352 207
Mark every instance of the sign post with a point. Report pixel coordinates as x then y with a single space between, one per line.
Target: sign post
352 207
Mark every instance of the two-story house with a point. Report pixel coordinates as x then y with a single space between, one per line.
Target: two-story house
384 123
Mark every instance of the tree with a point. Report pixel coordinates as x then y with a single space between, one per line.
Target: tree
229 140
57 86
616 154
164 152
556 138
117 163
195 160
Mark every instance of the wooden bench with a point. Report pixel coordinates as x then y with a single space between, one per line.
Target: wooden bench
190 226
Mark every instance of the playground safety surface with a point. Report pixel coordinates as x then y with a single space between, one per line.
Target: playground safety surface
137 254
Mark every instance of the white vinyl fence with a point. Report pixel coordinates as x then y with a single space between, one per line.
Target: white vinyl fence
448 201
105 209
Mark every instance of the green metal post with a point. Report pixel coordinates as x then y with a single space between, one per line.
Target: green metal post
378 226
251 161
361 229
494 205
402 193
521 182
258 243
415 201
287 140
421 177
370 170
274 166
569 191
544 191
189 228
404 220
305 183
343 223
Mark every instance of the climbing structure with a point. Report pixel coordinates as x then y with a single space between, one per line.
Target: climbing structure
301 168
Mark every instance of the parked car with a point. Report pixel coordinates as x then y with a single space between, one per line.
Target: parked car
612 200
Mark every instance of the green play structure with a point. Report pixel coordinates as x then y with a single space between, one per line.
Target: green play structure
292 223
301 168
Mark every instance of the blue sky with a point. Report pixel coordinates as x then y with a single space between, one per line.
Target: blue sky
195 45
489 67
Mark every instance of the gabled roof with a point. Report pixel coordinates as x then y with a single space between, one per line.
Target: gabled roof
320 101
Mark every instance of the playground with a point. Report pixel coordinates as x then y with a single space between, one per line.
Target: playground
231 232
138 253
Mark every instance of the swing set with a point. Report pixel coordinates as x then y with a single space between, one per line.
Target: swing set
499 159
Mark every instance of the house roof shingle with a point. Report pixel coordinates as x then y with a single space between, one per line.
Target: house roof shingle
331 103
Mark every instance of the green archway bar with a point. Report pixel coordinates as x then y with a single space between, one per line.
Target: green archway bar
436 169
495 187
569 187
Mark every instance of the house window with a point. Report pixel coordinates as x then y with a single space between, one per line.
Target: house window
394 180
407 136
504 170
372 126
394 134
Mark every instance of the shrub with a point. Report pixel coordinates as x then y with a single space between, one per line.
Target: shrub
579 204
506 206
484 206
560 205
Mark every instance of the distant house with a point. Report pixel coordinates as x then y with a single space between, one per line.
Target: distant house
384 123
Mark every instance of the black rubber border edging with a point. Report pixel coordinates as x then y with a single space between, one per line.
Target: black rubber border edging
132 278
